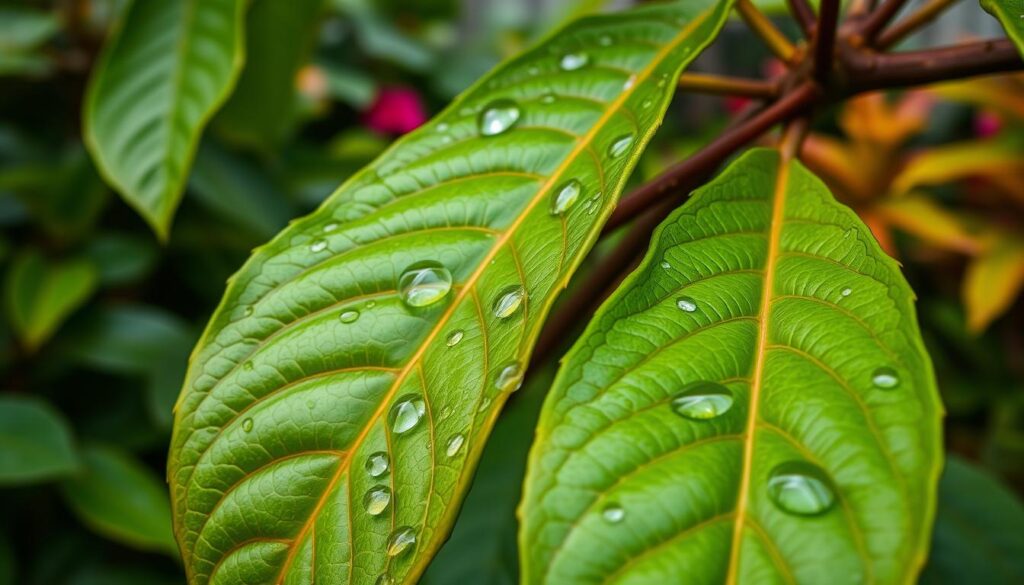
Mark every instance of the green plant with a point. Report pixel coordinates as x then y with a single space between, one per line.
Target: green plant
748 398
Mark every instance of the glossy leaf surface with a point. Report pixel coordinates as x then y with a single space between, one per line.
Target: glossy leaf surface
753 405
315 433
1010 14
162 74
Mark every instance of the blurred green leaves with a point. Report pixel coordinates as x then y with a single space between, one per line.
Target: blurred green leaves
166 68
122 499
40 294
35 443
22 32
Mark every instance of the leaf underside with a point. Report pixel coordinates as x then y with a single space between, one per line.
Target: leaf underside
292 387
800 364
164 71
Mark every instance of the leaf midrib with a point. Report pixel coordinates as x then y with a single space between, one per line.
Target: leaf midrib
484 264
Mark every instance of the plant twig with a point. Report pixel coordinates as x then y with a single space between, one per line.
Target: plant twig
763 27
804 16
916 20
720 85
825 39
870 71
711 156
879 18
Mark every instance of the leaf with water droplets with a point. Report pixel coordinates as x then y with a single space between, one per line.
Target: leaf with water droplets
411 320
755 423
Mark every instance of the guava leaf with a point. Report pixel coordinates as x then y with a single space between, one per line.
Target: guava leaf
754 405
391 324
1010 13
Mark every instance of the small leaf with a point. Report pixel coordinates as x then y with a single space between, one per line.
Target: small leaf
22 32
40 295
35 442
993 281
954 162
126 339
753 405
402 313
166 68
1010 13
977 537
120 498
919 215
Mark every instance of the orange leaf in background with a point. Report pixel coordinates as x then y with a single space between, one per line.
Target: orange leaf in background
1003 93
959 161
922 217
993 281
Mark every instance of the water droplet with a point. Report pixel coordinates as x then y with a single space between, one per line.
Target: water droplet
330 227
630 82
484 404
445 413
663 80
247 425
702 401
371 304
348 316
613 513
401 540
533 70
801 488
605 41
311 404
384 579
665 264
407 413
455 337
248 311
424 284
508 302
247 366
566 197
548 98
509 378
686 304
646 104
498 117
442 127
377 464
885 378
620 145
318 245
454 444
846 292
573 61
376 500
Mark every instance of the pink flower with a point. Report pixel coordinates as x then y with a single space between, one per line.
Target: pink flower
987 124
395 110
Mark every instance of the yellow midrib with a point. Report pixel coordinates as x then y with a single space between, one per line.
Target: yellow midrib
470 283
774 235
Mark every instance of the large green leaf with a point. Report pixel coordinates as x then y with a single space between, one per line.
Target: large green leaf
164 71
35 442
1011 14
698 390
328 333
979 530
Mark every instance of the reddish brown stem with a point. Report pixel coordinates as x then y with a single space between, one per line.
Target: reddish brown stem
721 85
880 17
870 71
825 39
901 29
804 16
711 156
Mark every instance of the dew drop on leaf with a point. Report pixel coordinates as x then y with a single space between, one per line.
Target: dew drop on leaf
630 82
885 378
318 245
407 413
620 145
665 264
801 488
455 337
613 513
702 401
454 445
499 116
384 579
566 197
248 311
509 378
424 284
247 366
348 316
508 302
846 292
247 425
330 227
484 404
548 98
573 61
377 464
376 500
686 304
401 540
605 41
442 127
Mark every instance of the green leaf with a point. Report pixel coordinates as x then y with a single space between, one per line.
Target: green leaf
40 294
978 537
166 68
35 442
314 350
696 387
120 498
261 111
21 34
121 258
1010 13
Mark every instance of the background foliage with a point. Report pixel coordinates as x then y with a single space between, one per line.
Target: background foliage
99 314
